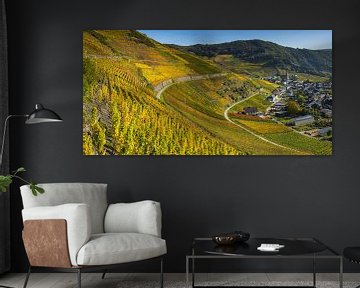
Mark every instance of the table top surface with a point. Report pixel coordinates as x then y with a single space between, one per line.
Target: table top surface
292 247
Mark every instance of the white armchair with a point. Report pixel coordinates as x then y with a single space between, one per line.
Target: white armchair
72 228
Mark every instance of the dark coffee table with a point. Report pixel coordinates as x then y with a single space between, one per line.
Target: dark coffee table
295 248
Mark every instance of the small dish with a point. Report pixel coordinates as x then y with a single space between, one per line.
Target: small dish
225 239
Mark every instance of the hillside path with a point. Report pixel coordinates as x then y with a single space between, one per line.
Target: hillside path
226 115
166 84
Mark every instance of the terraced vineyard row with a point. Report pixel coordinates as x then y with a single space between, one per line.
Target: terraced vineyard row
198 101
121 116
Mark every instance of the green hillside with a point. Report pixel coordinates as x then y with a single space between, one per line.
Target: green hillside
196 101
268 55
154 61
121 114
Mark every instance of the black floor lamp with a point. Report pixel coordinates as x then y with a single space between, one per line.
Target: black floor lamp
39 115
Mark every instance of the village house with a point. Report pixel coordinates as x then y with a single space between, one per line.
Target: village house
279 106
302 120
326 113
250 110
324 131
270 98
281 113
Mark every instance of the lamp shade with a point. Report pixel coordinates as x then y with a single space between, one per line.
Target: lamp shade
42 115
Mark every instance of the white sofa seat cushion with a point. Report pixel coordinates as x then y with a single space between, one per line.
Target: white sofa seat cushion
114 248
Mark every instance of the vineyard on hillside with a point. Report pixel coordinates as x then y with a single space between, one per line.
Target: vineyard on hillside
122 116
141 97
198 102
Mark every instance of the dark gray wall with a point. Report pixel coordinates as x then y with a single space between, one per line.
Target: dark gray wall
268 196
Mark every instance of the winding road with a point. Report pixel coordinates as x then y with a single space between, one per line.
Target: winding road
171 82
226 116
158 94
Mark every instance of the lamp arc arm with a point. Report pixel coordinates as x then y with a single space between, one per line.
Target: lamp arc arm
4 133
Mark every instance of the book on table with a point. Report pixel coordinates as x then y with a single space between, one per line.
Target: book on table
270 247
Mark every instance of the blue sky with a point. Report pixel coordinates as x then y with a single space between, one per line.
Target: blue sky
310 39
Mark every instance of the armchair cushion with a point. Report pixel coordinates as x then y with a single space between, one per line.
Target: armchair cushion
114 248
78 221
139 217
92 194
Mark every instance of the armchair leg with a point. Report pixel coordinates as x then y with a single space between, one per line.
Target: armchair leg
79 277
162 273
103 275
27 277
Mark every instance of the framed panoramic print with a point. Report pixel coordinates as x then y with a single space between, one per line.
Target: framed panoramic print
207 92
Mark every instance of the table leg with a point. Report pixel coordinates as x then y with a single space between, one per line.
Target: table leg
341 273
193 272
314 271
187 272
193 267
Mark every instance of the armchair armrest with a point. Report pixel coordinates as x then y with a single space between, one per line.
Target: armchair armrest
78 225
139 217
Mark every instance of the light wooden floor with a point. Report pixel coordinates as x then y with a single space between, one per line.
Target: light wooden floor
114 280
